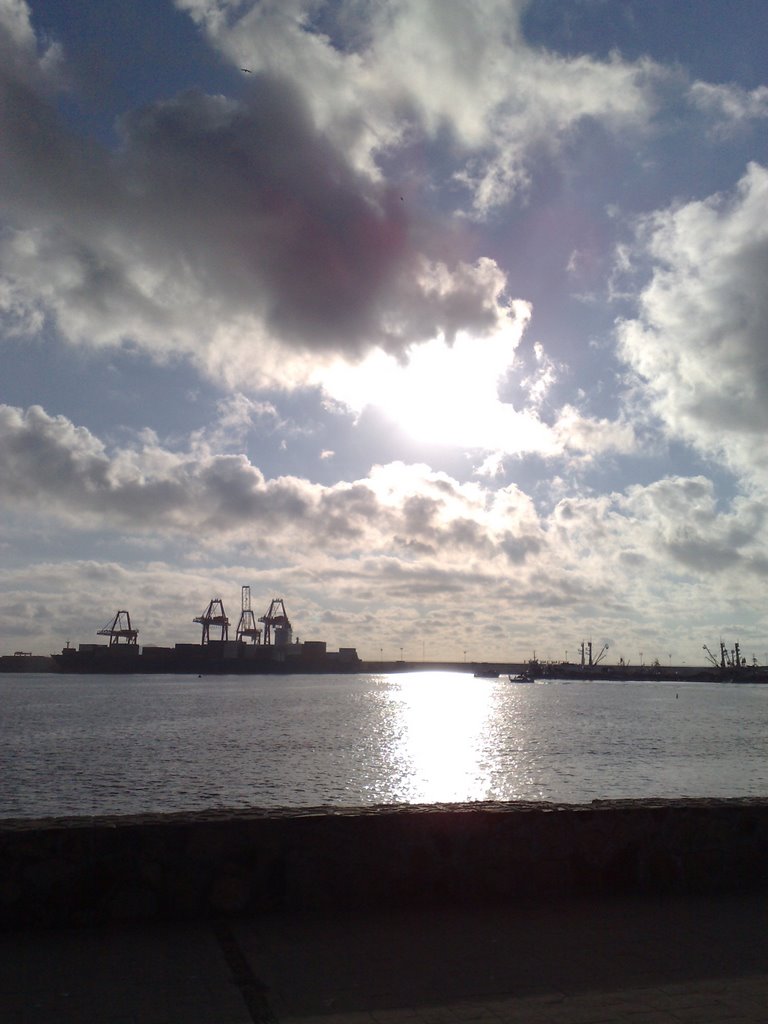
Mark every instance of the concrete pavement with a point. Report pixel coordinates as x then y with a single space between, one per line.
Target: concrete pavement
132 975
629 961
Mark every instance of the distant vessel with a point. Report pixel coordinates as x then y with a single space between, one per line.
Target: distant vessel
730 668
254 650
733 668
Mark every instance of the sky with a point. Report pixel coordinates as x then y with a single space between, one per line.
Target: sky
446 321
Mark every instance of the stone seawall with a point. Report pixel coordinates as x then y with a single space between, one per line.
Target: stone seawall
186 866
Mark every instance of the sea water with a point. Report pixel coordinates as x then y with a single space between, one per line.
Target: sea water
83 745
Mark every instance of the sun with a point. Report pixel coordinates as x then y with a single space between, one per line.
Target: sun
444 394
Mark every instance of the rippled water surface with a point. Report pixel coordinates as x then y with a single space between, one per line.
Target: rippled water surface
120 744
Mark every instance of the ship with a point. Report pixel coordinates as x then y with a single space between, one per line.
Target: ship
269 648
732 667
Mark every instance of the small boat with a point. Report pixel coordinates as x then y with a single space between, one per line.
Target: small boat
521 679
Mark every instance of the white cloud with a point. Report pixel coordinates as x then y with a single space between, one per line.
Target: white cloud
419 66
688 527
25 63
237 415
591 436
699 340
675 567
491 466
730 105
538 383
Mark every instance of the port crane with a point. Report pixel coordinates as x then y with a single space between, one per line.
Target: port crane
713 659
728 659
586 653
215 616
119 629
277 626
246 627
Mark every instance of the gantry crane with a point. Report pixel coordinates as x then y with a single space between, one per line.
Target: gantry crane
215 616
119 629
246 627
276 619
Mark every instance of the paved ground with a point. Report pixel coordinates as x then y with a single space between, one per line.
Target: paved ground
130 976
631 962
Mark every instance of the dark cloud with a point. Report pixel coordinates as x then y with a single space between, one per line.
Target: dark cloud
149 490
226 229
345 514
518 548
419 514
289 225
47 459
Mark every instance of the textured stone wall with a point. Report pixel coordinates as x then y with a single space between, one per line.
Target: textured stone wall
183 866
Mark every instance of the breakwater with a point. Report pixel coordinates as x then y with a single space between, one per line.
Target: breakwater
193 866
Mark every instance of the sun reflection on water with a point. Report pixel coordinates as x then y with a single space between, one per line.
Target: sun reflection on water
439 745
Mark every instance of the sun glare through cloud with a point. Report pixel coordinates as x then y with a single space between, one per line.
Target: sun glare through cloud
446 394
